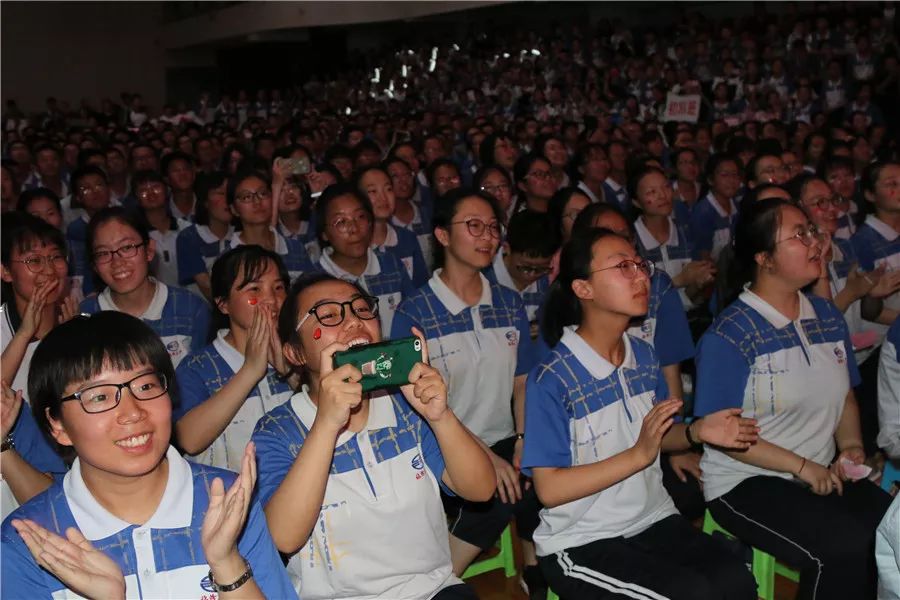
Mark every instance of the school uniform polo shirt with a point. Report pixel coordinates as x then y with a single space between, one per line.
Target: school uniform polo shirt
478 349
384 278
176 212
671 256
404 245
791 376
179 318
710 227
165 260
665 326
420 225
584 189
581 409
532 296
843 259
889 392
306 236
381 532
30 443
79 259
162 558
204 373
197 248
292 252
876 243
618 194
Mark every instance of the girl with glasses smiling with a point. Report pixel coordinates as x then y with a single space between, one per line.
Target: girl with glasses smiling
121 251
344 224
478 336
598 413
131 518
785 359
350 481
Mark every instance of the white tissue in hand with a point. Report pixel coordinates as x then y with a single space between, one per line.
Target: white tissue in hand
854 471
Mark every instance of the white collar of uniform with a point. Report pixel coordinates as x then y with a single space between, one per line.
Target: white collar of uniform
416 218
96 523
596 365
615 186
177 213
587 192
283 230
453 303
153 312
331 267
771 314
381 413
209 237
280 243
647 238
712 200
233 358
502 273
886 231
390 238
84 216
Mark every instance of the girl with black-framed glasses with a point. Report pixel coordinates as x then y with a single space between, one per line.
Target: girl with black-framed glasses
340 468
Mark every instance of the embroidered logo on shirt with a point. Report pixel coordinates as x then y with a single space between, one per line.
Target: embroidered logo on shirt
173 348
512 338
418 465
839 354
206 584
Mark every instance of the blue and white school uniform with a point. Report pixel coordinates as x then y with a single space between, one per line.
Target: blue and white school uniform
670 257
292 252
162 558
204 373
165 259
79 259
403 244
710 227
381 532
176 213
665 326
29 442
876 243
843 259
617 195
889 393
846 223
384 278
180 318
478 349
197 249
581 409
791 376
532 296
420 225
306 236
584 189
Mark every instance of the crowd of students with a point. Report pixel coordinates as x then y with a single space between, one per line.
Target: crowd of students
624 323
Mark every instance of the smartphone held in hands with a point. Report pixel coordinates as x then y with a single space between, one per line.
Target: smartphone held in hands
385 364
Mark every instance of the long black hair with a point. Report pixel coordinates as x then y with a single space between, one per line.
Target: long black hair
561 306
247 262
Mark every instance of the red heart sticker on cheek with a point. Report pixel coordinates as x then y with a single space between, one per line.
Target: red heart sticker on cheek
253 301
317 333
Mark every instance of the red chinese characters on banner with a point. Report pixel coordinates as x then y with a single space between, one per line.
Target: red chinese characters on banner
682 108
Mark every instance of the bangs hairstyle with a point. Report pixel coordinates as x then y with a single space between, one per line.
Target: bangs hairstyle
244 173
116 213
288 317
561 306
80 349
445 208
332 193
203 185
23 232
247 263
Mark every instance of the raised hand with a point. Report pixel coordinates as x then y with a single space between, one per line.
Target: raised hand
727 429
34 310
10 405
427 390
655 425
74 561
256 352
68 308
339 390
227 513
886 284
275 353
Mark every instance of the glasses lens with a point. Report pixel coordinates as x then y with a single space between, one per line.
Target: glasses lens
329 314
476 227
34 264
128 251
100 398
149 386
365 307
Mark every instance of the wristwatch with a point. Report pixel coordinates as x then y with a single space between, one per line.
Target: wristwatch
7 443
218 587
520 436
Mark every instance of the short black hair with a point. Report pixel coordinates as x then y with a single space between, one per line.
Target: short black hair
205 183
531 233
143 177
21 231
331 193
171 157
130 218
80 349
246 261
27 196
287 318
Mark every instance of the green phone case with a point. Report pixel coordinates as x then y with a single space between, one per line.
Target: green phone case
385 364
